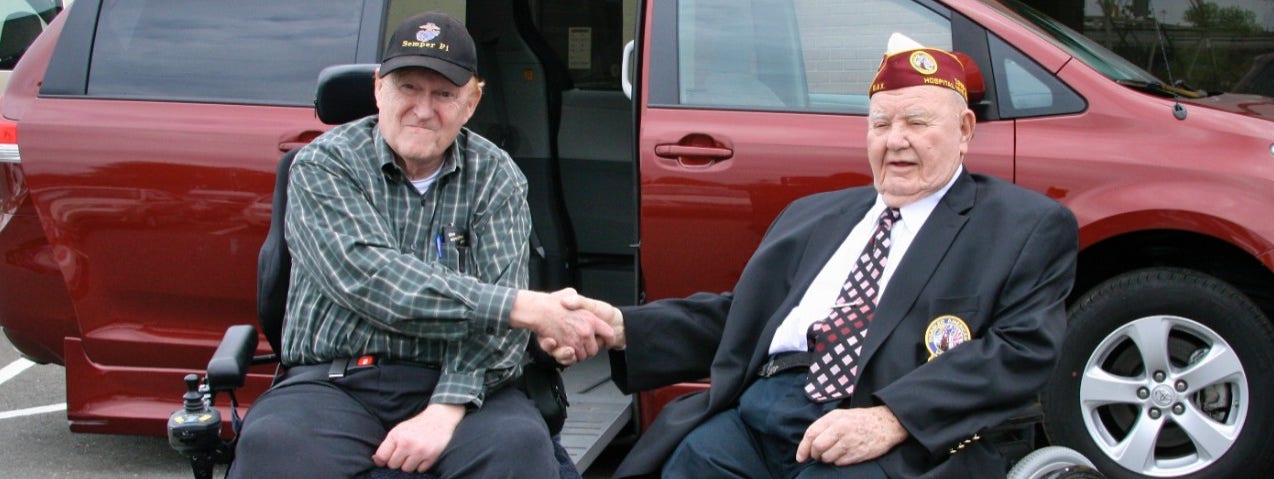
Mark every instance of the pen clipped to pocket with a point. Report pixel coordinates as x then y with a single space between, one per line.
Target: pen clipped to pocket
458 241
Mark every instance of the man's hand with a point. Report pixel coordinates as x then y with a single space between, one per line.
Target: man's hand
558 327
414 445
610 314
850 436
603 310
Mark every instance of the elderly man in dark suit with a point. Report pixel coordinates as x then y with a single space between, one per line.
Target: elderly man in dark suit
876 331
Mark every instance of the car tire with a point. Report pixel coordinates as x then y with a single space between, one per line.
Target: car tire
1050 462
1202 407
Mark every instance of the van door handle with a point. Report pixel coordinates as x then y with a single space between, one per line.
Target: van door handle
297 140
286 146
693 156
679 151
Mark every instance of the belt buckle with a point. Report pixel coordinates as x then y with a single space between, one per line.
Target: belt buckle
344 365
337 369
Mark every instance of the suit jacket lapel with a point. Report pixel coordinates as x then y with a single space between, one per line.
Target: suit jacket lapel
916 269
825 238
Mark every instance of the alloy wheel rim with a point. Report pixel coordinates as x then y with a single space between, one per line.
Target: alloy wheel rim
1164 396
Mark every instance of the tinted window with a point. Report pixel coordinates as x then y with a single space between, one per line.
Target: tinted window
793 55
20 22
225 51
587 37
1259 79
1025 89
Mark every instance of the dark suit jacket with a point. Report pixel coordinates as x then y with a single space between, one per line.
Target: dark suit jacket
999 257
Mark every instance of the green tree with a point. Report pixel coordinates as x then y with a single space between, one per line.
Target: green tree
1209 16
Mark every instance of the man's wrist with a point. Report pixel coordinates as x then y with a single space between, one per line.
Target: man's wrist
617 324
522 314
893 426
448 413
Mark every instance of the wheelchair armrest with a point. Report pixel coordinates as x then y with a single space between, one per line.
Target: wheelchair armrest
229 364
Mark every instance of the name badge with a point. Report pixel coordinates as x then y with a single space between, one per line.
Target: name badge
945 332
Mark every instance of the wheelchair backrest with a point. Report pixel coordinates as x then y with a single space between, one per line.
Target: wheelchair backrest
344 94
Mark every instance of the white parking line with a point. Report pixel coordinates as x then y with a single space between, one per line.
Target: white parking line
31 411
14 368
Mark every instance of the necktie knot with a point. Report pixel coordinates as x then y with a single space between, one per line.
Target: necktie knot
889 217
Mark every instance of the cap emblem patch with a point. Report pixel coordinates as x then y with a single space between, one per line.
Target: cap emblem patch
923 62
428 31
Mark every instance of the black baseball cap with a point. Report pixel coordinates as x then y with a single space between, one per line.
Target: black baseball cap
432 40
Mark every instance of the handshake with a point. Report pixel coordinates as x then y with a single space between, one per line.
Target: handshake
570 327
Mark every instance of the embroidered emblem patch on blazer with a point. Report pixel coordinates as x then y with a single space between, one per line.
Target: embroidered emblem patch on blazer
945 332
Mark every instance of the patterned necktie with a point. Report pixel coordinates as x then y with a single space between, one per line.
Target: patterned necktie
836 341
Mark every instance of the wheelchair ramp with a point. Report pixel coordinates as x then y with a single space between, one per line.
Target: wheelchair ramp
597 413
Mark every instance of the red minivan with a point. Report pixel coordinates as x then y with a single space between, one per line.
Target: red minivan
141 139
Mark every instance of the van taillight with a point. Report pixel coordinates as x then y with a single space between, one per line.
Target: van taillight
9 142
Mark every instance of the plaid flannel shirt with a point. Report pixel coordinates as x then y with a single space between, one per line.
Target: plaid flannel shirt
373 272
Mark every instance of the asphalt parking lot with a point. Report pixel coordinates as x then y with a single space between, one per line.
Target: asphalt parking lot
36 442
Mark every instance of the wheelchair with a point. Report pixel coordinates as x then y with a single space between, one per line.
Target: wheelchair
344 93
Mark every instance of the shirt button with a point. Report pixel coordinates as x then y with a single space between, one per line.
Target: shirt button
491 330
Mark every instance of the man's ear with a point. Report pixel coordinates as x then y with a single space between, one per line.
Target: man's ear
967 121
376 83
475 96
477 90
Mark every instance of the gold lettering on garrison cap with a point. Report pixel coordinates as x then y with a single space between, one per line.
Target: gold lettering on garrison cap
921 66
944 333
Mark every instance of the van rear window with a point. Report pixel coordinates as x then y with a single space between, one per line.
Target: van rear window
230 51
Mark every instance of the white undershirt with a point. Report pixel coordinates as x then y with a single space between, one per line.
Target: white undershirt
822 293
423 185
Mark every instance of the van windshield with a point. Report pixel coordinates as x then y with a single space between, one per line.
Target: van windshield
1076 44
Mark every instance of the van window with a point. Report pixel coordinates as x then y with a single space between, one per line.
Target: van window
1026 89
234 51
792 55
588 38
400 10
20 22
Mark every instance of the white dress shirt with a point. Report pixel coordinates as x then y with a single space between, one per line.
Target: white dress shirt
825 289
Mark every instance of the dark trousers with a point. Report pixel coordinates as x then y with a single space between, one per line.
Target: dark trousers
758 439
311 427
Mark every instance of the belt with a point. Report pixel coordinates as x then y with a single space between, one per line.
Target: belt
340 367
782 362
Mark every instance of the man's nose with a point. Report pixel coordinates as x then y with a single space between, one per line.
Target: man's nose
423 106
897 139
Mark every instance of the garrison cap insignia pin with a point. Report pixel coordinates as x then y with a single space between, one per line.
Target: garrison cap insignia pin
945 332
428 31
923 62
